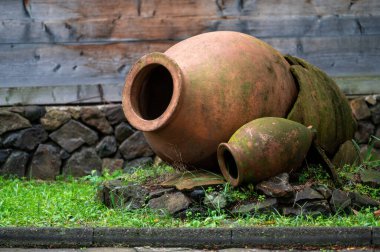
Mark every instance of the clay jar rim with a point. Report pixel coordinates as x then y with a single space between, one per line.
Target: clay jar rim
132 88
223 150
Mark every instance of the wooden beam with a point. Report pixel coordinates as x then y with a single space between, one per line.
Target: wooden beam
73 94
139 28
36 65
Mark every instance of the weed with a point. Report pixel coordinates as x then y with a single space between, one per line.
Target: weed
314 172
369 161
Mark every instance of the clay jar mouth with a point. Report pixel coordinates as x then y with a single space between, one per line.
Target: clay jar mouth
152 91
227 164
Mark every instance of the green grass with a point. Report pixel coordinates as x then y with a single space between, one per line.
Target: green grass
73 203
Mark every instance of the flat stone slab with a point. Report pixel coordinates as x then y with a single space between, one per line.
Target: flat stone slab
193 179
72 135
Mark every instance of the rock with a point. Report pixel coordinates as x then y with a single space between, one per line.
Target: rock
277 186
371 154
106 147
267 205
159 192
215 200
324 191
359 201
307 194
188 180
286 201
375 114
377 134
26 139
172 202
81 163
291 211
74 112
123 131
118 155
46 163
4 154
131 166
64 154
370 99
16 109
92 116
116 195
347 154
12 121
114 114
319 207
112 164
197 195
339 200
360 109
72 135
15 164
135 146
34 113
54 119
370 177
364 131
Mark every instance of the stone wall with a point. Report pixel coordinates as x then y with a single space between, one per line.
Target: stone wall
42 142
367 112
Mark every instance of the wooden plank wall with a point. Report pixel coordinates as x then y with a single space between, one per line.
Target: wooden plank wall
74 51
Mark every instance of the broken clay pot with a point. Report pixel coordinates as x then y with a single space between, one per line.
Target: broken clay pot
264 148
200 91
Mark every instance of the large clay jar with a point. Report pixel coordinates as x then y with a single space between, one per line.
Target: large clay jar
264 148
200 91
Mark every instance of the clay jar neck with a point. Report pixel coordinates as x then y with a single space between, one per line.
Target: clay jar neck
228 164
152 92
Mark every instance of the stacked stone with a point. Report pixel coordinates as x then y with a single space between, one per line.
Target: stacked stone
367 111
44 142
280 197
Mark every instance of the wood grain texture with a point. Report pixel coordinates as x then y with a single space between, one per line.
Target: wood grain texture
84 64
46 45
74 21
35 65
77 94
58 9
73 94
136 29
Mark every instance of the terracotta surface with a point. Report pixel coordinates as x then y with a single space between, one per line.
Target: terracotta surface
200 91
262 149
322 104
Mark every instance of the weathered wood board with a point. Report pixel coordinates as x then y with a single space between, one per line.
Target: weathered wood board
178 28
24 65
31 65
50 47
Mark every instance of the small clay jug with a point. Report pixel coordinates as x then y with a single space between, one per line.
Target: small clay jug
195 95
264 148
